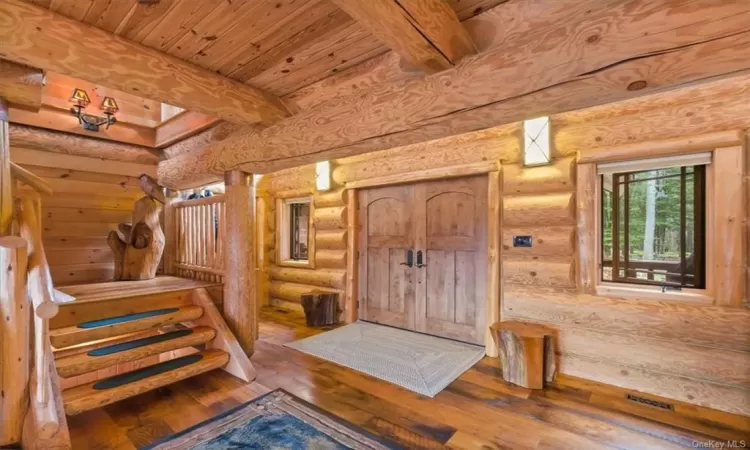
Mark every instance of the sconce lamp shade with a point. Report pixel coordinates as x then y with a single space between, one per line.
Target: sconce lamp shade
323 175
109 105
536 143
80 98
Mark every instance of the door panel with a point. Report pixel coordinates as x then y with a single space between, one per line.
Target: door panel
454 214
386 286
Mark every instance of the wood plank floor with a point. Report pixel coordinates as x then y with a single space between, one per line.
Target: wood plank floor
479 410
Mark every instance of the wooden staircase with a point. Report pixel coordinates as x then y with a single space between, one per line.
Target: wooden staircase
120 339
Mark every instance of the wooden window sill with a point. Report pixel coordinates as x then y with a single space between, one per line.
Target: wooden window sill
630 291
299 264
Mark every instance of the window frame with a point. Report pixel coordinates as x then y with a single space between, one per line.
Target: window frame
283 242
704 296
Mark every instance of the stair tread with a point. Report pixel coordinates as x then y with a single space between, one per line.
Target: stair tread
72 335
109 290
132 350
88 396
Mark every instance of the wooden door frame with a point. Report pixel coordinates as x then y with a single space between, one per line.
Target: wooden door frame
493 169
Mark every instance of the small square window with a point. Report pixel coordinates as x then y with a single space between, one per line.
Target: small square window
295 230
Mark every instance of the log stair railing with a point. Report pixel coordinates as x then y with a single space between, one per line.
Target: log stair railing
184 332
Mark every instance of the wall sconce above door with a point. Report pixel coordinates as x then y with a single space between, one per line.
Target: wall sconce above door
90 122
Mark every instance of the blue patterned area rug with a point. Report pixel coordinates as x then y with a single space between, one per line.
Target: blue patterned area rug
277 420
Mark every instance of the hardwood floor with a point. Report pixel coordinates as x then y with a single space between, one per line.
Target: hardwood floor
479 410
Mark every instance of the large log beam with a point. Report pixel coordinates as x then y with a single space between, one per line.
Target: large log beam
425 32
22 136
495 87
38 37
21 85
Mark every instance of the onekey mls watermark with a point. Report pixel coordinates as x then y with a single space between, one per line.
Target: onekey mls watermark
720 444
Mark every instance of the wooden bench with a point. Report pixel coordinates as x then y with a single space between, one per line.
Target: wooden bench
527 352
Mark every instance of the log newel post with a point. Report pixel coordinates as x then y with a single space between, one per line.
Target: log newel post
240 284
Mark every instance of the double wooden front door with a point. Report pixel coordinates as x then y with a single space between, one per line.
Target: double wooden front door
445 221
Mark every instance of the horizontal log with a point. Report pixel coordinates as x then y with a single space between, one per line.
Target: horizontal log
546 241
665 320
665 147
21 85
329 199
558 176
301 178
332 218
544 271
532 210
327 278
330 239
293 291
24 156
69 144
330 259
286 304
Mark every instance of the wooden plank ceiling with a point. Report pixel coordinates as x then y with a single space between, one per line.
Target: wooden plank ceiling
279 46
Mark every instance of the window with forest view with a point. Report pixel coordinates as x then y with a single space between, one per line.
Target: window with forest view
653 227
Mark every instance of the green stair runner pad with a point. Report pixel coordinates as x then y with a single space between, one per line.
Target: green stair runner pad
126 318
117 348
146 372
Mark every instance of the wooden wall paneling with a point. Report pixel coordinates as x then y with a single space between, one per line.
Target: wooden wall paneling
487 73
24 156
350 307
534 271
332 239
531 210
587 252
495 253
728 227
558 176
548 240
21 85
35 36
331 218
655 148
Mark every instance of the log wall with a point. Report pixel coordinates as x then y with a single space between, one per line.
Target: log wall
90 197
695 353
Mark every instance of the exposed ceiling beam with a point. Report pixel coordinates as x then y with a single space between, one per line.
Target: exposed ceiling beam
40 38
182 126
559 70
52 141
426 33
20 85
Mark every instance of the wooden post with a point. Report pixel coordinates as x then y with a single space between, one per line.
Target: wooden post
6 198
239 273
494 258
351 314
14 338
170 234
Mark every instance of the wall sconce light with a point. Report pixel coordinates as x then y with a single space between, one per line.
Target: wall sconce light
89 122
536 141
323 175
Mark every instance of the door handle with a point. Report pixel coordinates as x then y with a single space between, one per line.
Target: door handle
419 260
409 258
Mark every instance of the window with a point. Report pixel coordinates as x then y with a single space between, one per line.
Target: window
295 230
653 221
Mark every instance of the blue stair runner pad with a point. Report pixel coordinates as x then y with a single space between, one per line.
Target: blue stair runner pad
126 318
117 348
150 371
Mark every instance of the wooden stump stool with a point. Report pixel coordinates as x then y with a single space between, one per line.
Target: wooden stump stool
527 352
321 308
